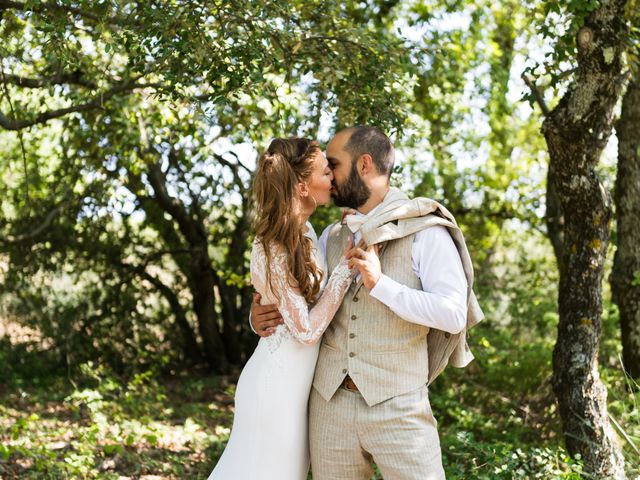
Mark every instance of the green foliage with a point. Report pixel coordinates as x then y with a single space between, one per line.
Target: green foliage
492 423
108 426
95 272
502 461
497 418
472 146
559 22
190 91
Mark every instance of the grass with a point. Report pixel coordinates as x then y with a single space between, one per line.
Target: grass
144 428
497 418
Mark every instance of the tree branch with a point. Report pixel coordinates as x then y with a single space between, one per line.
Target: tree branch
240 164
54 7
234 169
536 94
326 39
26 237
74 78
192 230
97 102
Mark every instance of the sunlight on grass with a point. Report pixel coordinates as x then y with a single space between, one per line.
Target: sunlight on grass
497 418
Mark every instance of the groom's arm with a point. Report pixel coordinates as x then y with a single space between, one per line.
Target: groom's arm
264 318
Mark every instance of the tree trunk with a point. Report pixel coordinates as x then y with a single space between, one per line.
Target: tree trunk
190 348
202 282
576 132
554 219
236 299
198 270
625 278
231 320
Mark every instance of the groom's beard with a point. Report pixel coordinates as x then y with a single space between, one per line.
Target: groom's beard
353 193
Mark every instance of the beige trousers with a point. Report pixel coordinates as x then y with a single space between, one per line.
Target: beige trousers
400 435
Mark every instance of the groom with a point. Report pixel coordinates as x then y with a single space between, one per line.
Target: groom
390 339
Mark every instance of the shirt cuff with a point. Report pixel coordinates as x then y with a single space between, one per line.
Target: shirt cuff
251 324
385 290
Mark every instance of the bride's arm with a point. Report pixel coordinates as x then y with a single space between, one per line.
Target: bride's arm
308 325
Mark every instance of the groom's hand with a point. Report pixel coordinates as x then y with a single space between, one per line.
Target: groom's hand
367 262
264 318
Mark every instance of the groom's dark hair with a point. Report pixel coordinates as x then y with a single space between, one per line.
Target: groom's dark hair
371 140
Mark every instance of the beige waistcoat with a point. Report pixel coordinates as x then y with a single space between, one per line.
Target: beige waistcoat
385 355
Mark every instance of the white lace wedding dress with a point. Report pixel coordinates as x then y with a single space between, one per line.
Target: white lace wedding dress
269 435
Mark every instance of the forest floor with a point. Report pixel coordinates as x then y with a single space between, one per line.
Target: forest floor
497 418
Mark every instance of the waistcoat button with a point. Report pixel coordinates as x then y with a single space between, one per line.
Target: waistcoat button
352 335
355 299
353 317
351 354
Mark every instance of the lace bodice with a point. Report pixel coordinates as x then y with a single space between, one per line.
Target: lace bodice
306 325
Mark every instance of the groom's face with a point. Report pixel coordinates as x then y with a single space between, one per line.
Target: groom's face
349 190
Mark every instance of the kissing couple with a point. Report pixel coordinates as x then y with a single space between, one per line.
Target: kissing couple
354 325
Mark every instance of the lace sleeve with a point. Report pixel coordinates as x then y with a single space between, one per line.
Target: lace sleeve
307 326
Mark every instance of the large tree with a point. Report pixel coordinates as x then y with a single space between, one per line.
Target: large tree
576 131
625 277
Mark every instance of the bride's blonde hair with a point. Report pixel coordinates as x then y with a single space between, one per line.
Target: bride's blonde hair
286 162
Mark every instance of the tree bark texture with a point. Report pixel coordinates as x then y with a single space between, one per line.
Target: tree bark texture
576 132
625 278
554 218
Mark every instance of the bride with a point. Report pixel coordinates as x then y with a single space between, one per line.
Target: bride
269 435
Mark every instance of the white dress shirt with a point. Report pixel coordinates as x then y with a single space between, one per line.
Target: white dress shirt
442 302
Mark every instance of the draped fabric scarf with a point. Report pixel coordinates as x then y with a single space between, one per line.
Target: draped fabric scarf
398 217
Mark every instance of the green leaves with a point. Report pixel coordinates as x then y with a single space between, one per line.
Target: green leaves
180 86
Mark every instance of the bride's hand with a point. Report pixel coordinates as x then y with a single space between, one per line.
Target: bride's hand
367 261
